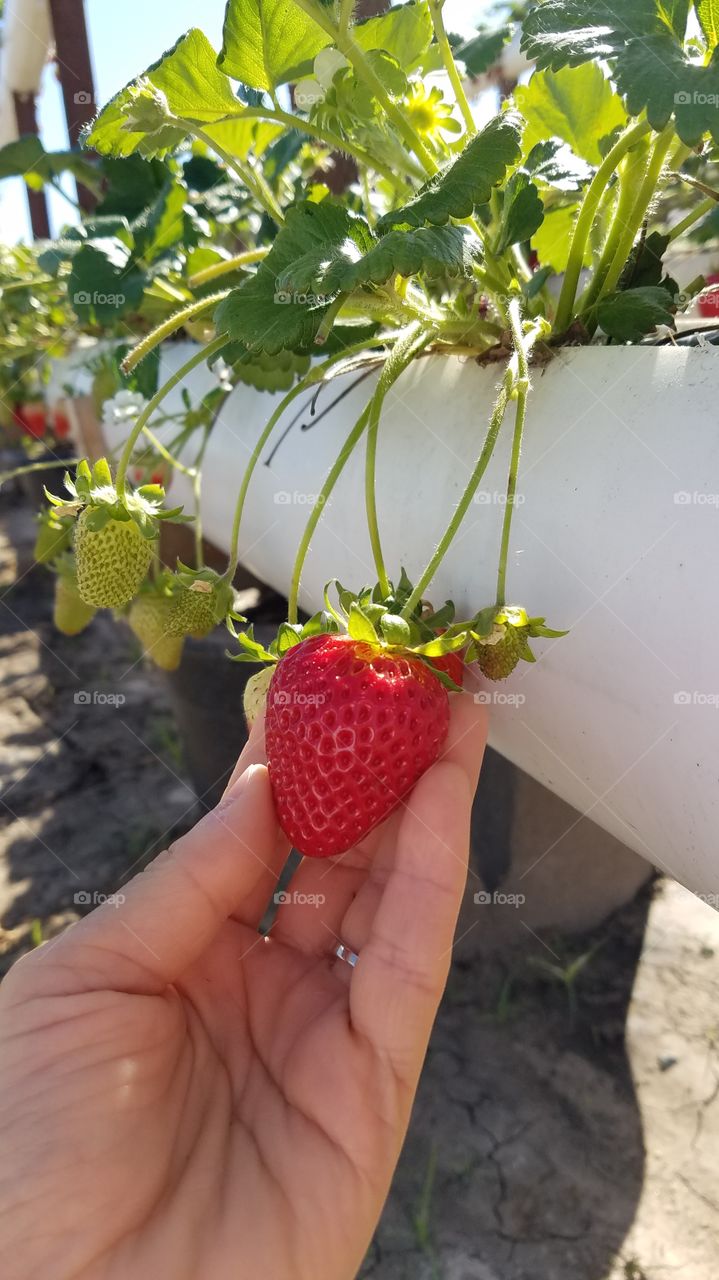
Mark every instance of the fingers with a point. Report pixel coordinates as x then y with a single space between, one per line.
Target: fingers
409 924
172 911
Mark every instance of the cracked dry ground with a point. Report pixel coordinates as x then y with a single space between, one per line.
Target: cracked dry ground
547 1143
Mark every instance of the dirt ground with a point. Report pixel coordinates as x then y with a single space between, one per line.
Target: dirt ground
567 1124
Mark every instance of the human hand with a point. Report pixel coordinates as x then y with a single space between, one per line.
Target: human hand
181 1098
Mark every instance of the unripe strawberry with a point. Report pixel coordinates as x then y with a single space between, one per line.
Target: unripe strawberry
148 618
112 561
497 661
255 695
70 613
201 599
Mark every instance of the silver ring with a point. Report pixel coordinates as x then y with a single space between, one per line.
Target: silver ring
344 953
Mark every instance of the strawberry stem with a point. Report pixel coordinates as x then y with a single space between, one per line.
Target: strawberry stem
143 418
405 349
521 345
450 66
328 486
315 375
169 326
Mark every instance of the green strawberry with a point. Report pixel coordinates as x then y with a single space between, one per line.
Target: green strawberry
54 535
500 639
201 600
70 612
255 695
148 619
112 557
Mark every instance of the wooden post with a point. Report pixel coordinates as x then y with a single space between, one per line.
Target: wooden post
27 123
75 73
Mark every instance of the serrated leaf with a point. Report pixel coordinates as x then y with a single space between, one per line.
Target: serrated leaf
628 315
575 104
708 15
642 40
430 251
103 283
266 42
264 372
465 182
194 88
259 312
522 211
359 625
552 163
562 33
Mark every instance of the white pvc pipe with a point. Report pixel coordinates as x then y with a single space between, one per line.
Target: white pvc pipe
615 537
26 42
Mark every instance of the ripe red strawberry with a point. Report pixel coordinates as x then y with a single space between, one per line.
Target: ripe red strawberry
349 730
453 666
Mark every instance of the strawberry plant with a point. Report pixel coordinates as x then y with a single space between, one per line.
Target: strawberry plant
546 225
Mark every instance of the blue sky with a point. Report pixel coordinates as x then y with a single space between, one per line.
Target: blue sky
124 39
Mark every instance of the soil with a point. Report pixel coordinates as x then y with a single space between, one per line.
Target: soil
567 1122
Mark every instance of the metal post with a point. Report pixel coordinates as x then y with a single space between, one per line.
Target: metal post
37 204
75 74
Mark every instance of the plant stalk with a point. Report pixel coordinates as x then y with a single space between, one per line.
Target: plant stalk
226 265
590 204
169 326
522 392
450 66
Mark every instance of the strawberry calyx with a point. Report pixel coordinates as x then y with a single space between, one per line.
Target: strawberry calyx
496 637
202 597
94 491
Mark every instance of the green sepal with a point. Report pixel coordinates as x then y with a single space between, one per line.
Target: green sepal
395 630
359 625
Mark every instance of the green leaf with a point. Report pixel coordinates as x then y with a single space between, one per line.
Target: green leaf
161 224
643 40
405 32
482 51
103 284
265 42
553 238
626 316
522 211
259 312
430 251
576 104
27 158
264 372
553 164
394 629
708 15
194 88
467 181
562 33
360 627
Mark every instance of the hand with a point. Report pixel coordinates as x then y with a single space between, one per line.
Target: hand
180 1098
